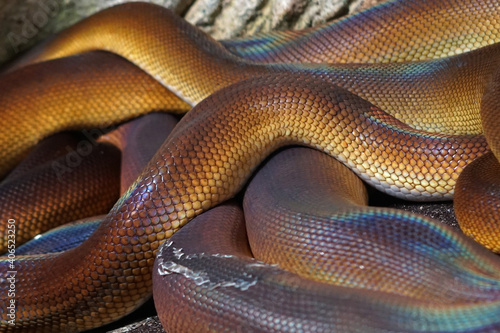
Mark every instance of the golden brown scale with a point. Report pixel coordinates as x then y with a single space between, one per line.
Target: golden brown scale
288 227
138 140
477 197
490 118
175 53
201 164
396 31
82 87
79 184
477 201
215 147
387 86
382 270
69 176
48 149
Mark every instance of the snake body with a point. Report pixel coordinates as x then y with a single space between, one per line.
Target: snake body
243 111
479 186
137 140
394 82
88 91
61 190
61 238
206 270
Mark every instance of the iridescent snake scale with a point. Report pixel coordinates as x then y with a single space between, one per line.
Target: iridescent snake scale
407 128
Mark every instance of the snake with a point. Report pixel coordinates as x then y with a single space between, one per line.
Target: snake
394 93
56 193
137 141
289 288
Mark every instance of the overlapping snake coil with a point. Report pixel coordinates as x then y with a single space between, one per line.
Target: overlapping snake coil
404 95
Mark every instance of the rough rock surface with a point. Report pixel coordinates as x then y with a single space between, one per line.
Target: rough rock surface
26 22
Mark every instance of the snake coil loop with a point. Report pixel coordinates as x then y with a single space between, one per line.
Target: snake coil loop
400 94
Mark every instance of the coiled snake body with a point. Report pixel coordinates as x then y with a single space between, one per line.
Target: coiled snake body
407 124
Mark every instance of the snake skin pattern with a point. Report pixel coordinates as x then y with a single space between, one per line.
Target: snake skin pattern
206 272
361 114
61 238
477 199
88 90
479 187
138 140
59 191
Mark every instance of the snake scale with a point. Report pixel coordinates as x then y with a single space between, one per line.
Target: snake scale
401 94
